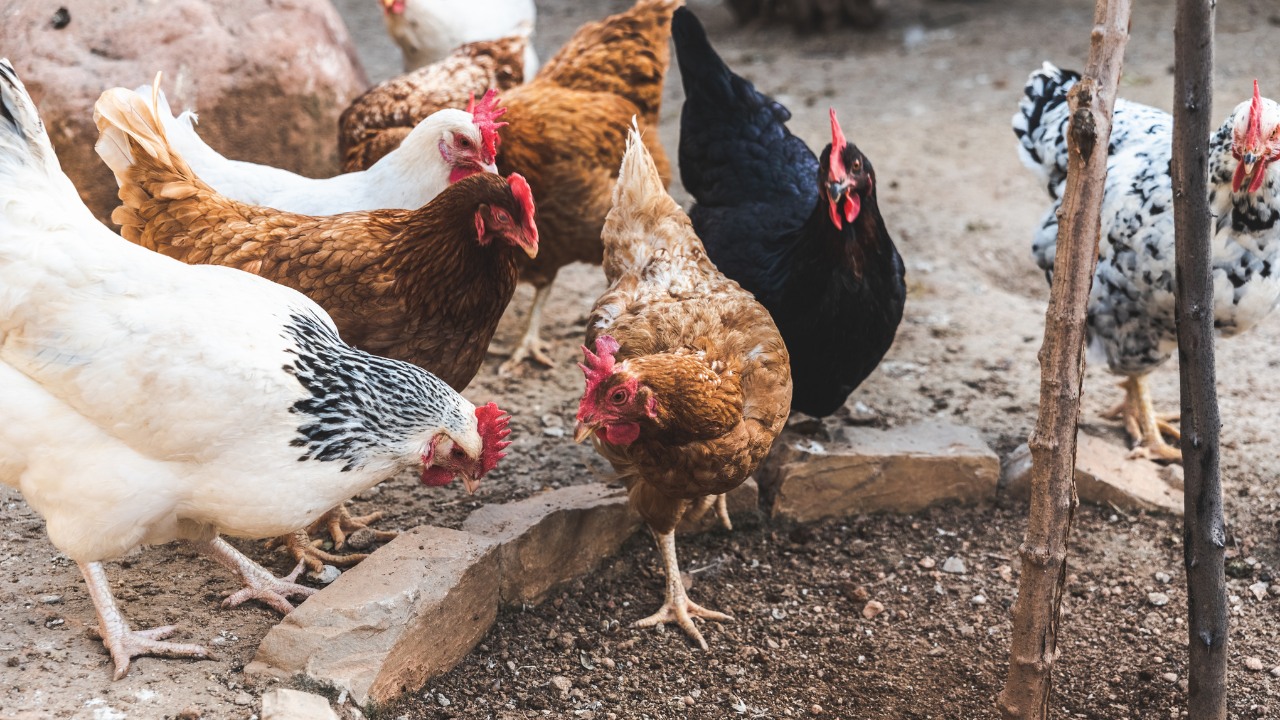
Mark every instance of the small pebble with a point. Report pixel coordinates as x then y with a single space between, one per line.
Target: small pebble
1275 671
442 701
562 683
555 432
687 700
954 566
243 698
327 574
50 599
927 563
815 709
978 599
1158 599
1259 590
1163 578
362 539
1253 663
872 609
1170 677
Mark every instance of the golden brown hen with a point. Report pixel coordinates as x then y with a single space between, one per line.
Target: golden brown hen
425 286
377 121
567 134
689 381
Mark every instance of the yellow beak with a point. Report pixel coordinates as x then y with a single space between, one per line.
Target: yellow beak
583 431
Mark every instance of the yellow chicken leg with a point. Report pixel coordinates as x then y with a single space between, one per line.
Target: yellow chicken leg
339 523
678 607
531 346
719 502
123 642
1145 427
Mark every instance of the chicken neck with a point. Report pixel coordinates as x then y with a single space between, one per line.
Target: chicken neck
677 606
123 642
1145 427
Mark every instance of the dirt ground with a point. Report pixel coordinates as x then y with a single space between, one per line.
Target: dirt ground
928 97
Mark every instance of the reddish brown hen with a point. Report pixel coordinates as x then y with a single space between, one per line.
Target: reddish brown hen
567 135
688 383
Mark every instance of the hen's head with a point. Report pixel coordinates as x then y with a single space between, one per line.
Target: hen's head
1255 140
485 116
471 455
393 7
467 139
509 217
615 401
846 177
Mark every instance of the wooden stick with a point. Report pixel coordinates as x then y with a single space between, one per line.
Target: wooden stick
1034 647
1203 536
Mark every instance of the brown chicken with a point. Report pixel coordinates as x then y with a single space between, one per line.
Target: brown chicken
377 121
689 381
425 286
567 133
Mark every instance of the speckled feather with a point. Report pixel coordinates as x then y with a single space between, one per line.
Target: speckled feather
709 350
1131 306
414 285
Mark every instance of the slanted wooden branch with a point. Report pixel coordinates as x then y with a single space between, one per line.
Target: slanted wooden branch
1053 442
1203 536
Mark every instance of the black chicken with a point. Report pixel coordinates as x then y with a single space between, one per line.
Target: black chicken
805 236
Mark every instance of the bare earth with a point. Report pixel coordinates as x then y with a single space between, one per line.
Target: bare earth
927 97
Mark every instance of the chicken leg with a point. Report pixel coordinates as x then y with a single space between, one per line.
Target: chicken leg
1143 425
123 642
531 345
719 502
260 584
678 607
339 523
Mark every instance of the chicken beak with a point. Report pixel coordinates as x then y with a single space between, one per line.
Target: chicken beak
470 483
583 431
530 247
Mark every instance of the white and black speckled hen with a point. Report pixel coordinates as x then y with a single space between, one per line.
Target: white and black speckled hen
1131 307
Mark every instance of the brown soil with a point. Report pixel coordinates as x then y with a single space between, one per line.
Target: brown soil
928 97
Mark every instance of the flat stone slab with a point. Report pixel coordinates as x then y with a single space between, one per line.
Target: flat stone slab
743 503
554 537
409 612
285 704
869 470
1105 475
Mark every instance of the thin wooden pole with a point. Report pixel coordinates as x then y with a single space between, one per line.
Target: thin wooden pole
1034 647
1203 536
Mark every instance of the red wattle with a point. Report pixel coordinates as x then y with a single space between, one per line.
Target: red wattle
459 172
436 476
620 434
834 210
852 206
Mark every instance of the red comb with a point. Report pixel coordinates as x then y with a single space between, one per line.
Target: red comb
492 423
524 196
838 143
599 364
485 115
1253 136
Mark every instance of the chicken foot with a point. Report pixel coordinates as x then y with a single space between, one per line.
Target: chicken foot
339 523
123 642
678 607
531 346
719 502
260 584
1145 427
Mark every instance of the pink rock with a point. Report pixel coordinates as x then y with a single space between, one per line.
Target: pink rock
269 79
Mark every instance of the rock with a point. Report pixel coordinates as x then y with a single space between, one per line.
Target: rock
1158 599
408 613
1259 590
1254 664
1163 578
243 699
554 536
327 574
743 503
50 599
872 609
561 683
1169 677
927 562
284 704
954 565
869 470
1105 475
269 79
978 599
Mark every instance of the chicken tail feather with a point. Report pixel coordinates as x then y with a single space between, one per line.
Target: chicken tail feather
23 140
1040 121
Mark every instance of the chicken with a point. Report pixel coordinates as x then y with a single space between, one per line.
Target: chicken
688 383
567 134
371 126
148 401
425 286
427 30
804 234
1131 305
445 147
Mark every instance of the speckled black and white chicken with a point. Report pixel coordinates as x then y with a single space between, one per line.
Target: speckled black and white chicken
1131 307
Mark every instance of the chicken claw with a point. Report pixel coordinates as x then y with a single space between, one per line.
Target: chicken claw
1144 426
678 607
719 502
123 642
260 584
340 524
531 345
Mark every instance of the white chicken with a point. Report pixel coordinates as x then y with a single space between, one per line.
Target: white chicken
428 30
445 147
1131 306
147 401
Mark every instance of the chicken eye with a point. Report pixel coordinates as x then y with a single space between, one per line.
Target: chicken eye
465 142
458 453
857 165
617 397
502 215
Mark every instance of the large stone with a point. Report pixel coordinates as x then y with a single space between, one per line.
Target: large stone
1105 475
553 537
743 504
408 613
285 704
269 79
870 470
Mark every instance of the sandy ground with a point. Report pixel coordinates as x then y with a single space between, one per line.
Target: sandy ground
928 98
